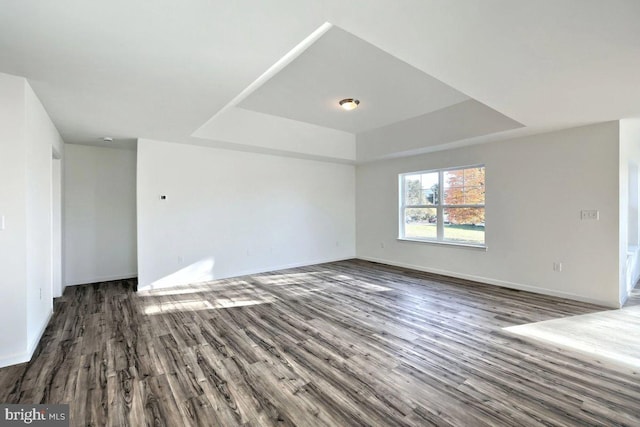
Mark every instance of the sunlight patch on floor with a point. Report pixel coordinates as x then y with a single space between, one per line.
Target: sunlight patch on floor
246 291
371 287
172 291
320 277
200 271
612 335
197 305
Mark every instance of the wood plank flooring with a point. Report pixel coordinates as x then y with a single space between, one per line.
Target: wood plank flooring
342 344
634 297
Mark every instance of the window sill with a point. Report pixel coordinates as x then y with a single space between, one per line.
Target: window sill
439 243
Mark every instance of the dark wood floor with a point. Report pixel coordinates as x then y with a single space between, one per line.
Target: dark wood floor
346 343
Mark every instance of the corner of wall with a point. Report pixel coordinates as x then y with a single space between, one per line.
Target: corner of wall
629 160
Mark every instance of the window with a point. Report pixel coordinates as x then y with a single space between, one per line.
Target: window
444 205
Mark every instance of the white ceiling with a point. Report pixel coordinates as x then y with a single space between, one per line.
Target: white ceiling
340 65
161 69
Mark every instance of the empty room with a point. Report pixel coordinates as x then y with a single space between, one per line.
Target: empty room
320 213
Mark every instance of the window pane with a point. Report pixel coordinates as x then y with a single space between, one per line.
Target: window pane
465 225
421 189
430 187
420 223
412 190
464 186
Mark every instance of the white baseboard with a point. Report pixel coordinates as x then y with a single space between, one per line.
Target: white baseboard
96 279
495 282
149 287
34 343
31 347
14 360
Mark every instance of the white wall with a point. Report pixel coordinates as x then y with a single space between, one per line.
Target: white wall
41 138
56 221
629 261
27 138
100 214
230 213
13 206
535 189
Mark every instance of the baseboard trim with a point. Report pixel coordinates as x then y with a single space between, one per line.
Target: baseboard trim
494 282
101 279
14 360
149 287
31 347
34 344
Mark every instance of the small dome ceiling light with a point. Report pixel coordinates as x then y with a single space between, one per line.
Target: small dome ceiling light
349 104
107 139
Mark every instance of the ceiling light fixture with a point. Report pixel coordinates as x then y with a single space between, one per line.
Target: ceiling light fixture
349 104
107 139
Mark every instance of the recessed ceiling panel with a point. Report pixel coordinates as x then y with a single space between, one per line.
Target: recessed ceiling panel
340 65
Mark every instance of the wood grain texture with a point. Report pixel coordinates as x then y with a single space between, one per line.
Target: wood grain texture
349 343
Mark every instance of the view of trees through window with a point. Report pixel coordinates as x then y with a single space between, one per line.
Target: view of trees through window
444 205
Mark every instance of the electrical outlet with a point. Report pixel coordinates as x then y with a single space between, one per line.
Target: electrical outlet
382 245
557 267
592 215
180 259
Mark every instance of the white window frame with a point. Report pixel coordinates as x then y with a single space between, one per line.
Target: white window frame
440 207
